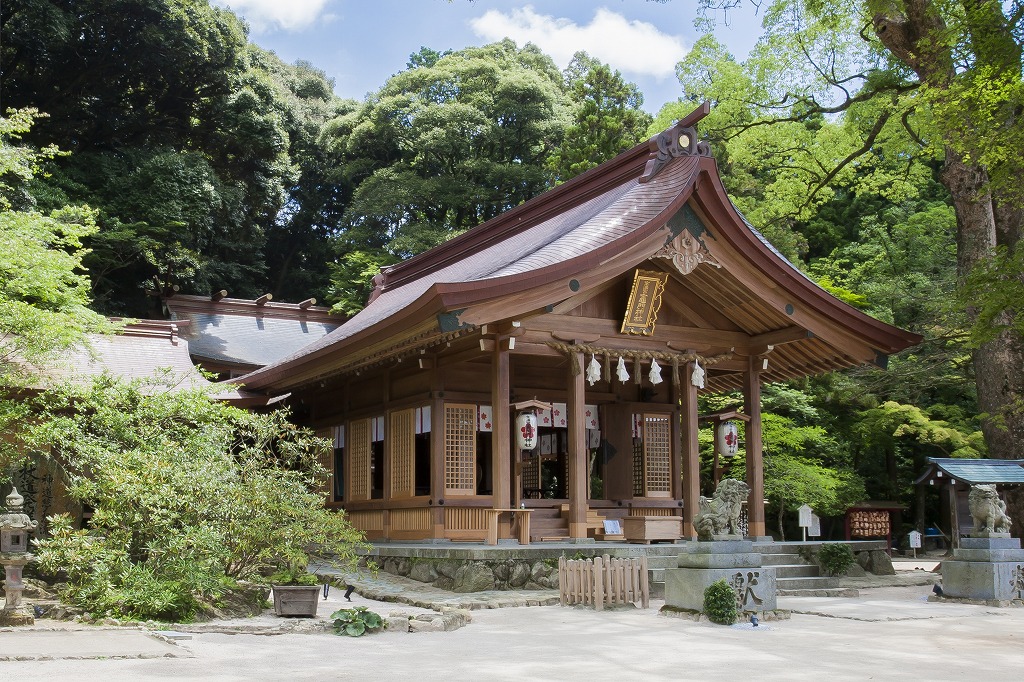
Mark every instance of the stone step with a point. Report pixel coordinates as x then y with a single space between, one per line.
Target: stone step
796 571
816 583
850 592
782 559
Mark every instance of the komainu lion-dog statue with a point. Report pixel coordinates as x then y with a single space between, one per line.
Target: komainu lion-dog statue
988 511
721 514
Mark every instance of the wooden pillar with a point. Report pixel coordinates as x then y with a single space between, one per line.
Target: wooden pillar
755 461
691 452
579 485
436 460
501 450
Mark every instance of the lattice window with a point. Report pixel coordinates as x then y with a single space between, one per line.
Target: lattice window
359 450
638 467
460 449
657 456
402 444
531 477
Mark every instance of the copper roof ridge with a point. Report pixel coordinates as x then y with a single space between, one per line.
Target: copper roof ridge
155 329
242 306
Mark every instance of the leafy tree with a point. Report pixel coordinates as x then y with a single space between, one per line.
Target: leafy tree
913 78
44 291
607 117
200 151
446 144
796 471
188 496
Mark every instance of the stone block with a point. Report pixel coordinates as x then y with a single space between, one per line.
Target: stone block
1001 541
432 625
397 624
718 547
736 560
988 555
983 580
755 586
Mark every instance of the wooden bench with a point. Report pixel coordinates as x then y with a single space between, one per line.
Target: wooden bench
521 515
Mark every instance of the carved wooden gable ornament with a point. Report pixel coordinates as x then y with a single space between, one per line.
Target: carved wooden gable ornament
686 248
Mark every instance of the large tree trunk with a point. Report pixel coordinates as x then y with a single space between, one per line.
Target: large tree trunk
914 34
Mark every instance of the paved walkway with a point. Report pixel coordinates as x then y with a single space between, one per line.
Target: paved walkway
891 631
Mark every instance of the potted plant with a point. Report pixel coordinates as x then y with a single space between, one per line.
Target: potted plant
295 591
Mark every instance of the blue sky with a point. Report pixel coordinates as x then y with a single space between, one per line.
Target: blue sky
360 43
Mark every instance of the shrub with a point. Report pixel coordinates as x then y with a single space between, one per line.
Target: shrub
835 558
189 496
356 621
720 603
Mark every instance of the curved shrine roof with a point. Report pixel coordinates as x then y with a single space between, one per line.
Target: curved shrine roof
597 226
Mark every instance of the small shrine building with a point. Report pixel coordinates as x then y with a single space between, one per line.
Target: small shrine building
611 301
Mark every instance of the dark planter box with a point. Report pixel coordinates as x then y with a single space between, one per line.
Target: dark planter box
296 600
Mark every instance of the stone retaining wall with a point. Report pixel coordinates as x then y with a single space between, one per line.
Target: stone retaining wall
475 575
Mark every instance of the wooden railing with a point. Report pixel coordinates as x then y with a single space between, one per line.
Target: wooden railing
603 580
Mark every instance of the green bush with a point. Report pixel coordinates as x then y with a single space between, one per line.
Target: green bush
356 621
835 558
189 496
720 603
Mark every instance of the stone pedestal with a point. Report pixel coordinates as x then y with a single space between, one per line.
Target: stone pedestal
985 568
735 560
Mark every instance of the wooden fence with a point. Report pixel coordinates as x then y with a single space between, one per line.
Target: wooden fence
603 580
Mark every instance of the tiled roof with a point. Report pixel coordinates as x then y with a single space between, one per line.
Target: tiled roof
147 350
247 333
248 341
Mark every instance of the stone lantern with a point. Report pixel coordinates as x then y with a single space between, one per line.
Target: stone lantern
15 528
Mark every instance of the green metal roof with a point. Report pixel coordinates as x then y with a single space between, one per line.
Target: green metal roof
975 471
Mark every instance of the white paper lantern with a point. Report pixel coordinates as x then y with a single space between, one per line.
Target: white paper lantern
728 439
526 430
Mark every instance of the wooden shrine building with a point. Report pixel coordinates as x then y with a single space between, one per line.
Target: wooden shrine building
614 298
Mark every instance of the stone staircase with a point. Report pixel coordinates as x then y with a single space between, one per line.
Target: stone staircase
795 576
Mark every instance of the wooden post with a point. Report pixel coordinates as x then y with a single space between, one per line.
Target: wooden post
691 452
579 486
436 457
755 462
501 449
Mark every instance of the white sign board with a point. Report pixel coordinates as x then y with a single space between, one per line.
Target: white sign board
915 540
805 516
815 530
612 527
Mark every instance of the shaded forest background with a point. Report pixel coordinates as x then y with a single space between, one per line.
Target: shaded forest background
207 163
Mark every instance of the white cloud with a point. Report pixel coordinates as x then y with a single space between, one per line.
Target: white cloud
633 47
265 15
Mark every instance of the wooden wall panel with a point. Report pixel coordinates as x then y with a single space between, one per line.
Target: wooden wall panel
400 443
358 455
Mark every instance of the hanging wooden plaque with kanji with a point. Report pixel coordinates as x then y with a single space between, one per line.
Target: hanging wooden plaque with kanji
644 302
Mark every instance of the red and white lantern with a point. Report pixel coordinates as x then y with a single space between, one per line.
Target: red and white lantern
526 430
728 439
